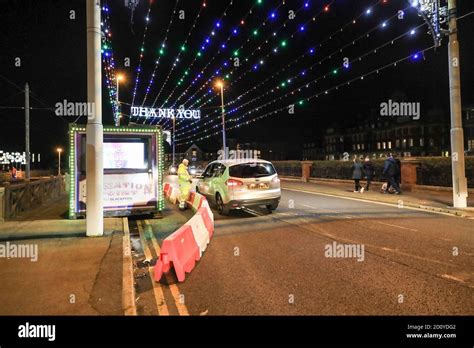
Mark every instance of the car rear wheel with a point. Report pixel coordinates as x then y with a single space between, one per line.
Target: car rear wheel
221 207
272 207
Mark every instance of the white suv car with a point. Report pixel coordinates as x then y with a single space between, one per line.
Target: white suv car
234 184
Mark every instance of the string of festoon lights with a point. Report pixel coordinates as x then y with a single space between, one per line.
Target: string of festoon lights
108 60
310 52
307 85
142 52
332 72
377 71
182 50
218 26
161 51
184 44
199 54
302 27
253 35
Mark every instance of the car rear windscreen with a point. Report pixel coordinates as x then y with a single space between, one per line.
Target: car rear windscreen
251 170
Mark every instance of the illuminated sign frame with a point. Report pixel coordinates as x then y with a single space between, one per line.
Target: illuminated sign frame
75 132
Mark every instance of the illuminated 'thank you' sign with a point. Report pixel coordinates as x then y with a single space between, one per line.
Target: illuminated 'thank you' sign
138 111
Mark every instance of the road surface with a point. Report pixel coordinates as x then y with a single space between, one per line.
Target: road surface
413 262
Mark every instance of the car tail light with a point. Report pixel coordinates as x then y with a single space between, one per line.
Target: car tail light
276 179
233 182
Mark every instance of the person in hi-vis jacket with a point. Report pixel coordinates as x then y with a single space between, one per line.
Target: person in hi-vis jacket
185 181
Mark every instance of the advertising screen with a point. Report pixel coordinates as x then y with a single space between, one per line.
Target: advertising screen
124 155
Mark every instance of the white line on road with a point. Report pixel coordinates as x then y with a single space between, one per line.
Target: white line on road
157 289
347 216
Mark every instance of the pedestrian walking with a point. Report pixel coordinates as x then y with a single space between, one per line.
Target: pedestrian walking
185 181
357 173
369 172
391 171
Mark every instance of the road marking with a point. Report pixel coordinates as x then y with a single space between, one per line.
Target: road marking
318 230
157 289
182 309
347 216
373 202
402 227
128 289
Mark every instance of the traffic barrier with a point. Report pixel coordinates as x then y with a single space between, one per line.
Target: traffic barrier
166 189
200 232
180 250
208 218
186 245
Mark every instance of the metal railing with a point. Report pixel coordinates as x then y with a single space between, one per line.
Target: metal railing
22 197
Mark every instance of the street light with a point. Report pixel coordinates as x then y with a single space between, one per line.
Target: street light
59 150
220 84
119 78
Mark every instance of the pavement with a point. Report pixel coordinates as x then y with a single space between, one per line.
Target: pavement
73 274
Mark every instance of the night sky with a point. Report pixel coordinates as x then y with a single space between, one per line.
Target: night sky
52 48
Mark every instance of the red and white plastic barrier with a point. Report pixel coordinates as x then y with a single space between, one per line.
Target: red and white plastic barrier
185 246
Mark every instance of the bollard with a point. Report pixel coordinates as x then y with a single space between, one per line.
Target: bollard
306 170
408 174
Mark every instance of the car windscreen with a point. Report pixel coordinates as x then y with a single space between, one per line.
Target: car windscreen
251 170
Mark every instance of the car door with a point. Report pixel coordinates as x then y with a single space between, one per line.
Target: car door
204 183
216 184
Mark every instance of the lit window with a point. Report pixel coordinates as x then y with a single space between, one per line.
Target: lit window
389 144
470 144
378 146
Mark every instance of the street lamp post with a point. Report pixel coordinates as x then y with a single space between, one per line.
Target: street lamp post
220 84
457 136
59 160
94 128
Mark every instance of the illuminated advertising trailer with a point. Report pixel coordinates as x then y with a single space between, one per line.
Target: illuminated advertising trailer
133 171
